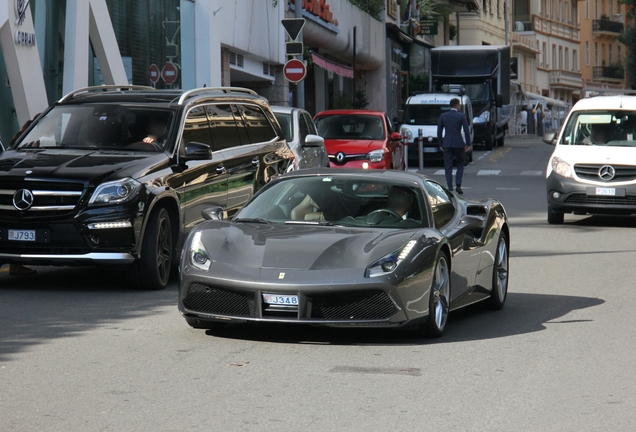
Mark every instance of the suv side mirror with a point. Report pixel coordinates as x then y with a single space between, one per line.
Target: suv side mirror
197 151
550 138
312 140
498 101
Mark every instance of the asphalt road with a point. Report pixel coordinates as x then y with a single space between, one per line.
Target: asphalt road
80 352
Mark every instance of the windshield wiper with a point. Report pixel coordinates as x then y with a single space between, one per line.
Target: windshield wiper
252 220
305 222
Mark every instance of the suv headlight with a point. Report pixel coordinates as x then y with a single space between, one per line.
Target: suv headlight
561 167
376 155
482 118
407 133
390 262
199 256
115 192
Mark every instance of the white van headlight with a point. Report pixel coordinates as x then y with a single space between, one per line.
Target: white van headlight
561 167
407 133
482 118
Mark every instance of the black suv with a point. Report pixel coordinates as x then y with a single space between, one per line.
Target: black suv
119 175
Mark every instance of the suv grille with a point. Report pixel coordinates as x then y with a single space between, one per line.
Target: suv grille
45 198
590 172
601 200
202 298
365 305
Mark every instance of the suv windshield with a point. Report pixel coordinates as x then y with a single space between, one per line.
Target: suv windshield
601 128
100 127
350 126
424 114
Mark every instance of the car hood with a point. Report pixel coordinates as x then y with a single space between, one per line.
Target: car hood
253 246
77 165
602 155
334 146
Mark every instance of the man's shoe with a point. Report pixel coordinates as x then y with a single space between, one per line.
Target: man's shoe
459 190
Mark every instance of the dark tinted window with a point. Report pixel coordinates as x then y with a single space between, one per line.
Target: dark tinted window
242 129
197 127
258 127
224 129
441 203
303 129
350 126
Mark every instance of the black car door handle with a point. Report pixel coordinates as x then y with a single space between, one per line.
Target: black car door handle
220 169
256 162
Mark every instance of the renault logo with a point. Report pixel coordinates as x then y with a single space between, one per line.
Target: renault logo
340 157
607 172
23 199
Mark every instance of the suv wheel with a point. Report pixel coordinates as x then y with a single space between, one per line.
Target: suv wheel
152 270
555 217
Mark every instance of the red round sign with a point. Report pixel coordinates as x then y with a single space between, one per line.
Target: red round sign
169 73
155 74
294 70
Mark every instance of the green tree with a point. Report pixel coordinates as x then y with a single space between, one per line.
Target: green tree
628 38
372 7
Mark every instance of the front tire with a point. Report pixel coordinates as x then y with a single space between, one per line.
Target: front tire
499 290
152 270
555 217
439 300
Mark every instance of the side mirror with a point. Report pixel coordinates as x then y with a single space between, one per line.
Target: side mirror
312 140
550 138
396 136
470 223
498 101
212 213
197 151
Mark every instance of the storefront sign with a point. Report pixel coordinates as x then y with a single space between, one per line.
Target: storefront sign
428 26
20 11
24 38
20 37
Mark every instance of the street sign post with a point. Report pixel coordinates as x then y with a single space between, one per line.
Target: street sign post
294 70
155 73
169 73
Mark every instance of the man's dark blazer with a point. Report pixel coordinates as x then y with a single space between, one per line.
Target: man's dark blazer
452 121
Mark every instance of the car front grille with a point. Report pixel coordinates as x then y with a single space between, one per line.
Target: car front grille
365 305
591 172
346 158
202 298
45 198
601 200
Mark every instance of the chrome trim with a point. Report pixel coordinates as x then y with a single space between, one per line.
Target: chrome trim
56 193
121 257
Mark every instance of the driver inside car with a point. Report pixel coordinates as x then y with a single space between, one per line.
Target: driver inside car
156 132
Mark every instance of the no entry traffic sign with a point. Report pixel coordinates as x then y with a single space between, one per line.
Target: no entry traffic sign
169 73
294 70
155 74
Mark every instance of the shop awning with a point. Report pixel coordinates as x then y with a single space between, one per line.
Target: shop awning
336 68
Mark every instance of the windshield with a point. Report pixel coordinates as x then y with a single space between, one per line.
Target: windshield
100 127
615 128
350 126
337 200
285 121
424 114
477 92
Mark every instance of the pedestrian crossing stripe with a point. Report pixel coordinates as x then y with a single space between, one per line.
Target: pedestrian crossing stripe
531 173
488 172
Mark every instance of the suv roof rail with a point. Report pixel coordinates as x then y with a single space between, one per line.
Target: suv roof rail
114 87
203 90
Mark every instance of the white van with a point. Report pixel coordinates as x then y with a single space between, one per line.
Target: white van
422 111
593 167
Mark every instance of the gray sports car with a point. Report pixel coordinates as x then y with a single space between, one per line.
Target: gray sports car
346 248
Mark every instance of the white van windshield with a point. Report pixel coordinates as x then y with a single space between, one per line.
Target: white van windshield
614 128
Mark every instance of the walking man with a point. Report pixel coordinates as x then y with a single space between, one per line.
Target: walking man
449 135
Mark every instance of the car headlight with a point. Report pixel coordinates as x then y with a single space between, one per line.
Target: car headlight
407 133
482 118
561 167
115 192
199 256
390 262
376 155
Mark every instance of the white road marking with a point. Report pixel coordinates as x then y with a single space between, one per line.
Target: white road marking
442 172
531 173
508 188
483 156
488 172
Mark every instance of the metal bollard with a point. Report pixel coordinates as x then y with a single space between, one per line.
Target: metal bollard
405 143
420 144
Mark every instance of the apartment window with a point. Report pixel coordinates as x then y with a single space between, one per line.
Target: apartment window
595 9
566 60
499 7
574 61
554 57
595 53
492 9
610 57
587 53
587 9
560 58
544 56
484 5
609 9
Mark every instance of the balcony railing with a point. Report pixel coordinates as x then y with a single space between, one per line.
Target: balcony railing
565 79
608 72
607 26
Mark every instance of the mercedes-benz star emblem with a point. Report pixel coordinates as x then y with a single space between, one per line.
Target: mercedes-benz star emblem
340 157
23 199
607 172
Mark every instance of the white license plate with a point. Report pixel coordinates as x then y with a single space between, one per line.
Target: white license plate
22 235
281 299
605 191
430 149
